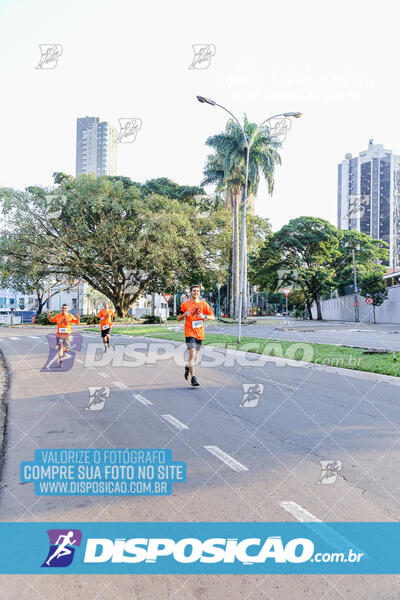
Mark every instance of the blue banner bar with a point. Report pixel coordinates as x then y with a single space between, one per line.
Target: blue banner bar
246 548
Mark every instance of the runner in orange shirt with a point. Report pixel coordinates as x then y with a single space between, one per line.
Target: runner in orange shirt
194 311
64 335
106 315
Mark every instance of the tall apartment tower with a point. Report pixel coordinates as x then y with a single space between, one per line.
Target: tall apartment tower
96 147
369 196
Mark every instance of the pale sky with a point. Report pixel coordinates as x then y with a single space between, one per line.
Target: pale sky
335 62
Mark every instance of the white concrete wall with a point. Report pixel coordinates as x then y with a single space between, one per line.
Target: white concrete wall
342 309
67 297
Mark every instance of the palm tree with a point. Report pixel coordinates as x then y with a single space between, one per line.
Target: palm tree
214 174
226 168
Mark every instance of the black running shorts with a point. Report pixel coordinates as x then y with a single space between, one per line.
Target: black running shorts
192 342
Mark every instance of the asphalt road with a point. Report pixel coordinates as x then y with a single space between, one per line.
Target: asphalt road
258 463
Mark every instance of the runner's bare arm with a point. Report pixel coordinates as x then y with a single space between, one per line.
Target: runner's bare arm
181 316
208 314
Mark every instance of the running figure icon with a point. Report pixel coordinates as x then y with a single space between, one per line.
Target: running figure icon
62 549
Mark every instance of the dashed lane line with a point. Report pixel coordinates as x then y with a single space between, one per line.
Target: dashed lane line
226 458
120 385
298 512
142 399
334 538
175 422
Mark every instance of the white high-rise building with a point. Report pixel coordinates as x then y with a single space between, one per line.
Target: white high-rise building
96 147
369 196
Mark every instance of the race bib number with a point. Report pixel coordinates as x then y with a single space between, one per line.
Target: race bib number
197 324
62 330
105 327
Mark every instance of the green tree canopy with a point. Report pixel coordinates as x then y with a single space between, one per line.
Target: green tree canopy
112 236
368 253
301 254
373 286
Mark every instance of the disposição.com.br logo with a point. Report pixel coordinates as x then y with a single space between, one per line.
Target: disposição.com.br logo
62 547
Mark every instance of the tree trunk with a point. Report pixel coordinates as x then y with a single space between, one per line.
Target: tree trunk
41 303
318 303
245 298
121 306
309 304
230 289
235 274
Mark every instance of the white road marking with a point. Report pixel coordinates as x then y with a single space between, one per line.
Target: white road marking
326 532
14 338
34 337
292 387
226 458
300 513
175 422
142 399
104 375
120 385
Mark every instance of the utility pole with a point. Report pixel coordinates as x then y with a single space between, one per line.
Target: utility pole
356 303
219 302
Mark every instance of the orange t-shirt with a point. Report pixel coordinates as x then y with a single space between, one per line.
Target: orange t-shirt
105 317
64 324
194 327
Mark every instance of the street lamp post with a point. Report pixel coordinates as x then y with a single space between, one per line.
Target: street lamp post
219 302
243 239
356 309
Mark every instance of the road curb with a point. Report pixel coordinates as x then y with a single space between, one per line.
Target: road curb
4 389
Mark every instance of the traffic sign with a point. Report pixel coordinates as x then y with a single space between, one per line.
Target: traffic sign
286 291
167 297
369 300
356 304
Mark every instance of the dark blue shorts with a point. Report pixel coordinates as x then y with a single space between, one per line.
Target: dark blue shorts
192 342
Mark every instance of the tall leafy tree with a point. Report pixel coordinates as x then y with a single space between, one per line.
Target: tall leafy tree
168 188
372 285
368 254
109 234
301 254
28 277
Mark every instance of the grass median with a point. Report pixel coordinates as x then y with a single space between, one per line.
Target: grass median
325 354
